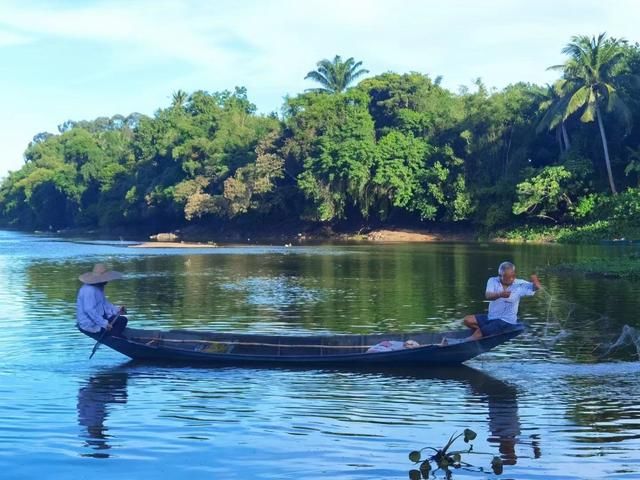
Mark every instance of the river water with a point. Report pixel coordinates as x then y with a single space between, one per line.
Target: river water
545 402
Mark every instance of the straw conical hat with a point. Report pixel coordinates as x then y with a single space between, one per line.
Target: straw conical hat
99 274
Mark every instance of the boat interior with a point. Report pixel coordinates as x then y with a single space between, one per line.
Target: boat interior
274 345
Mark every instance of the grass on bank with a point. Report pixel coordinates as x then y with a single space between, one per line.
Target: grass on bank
596 232
626 266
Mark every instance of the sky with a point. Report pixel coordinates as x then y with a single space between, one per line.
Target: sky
81 59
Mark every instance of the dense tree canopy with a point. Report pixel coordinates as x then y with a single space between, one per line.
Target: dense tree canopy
393 149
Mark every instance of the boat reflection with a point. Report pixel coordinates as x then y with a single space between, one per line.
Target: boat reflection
500 398
108 388
94 403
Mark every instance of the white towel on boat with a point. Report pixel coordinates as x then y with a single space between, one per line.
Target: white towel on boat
391 345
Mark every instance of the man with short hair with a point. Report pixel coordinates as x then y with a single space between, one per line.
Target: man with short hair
94 313
504 293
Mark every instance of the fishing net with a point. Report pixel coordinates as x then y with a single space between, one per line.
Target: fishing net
559 316
629 337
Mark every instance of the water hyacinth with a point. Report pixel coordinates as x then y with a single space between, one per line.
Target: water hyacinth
445 460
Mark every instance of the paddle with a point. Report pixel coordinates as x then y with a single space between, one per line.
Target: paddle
95 347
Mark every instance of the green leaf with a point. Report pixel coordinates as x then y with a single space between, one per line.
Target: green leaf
414 456
425 468
469 435
497 465
589 114
443 462
577 101
414 474
457 458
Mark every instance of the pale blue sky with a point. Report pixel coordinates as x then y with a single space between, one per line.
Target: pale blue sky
78 60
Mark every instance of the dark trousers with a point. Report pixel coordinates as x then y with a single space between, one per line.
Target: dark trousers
117 326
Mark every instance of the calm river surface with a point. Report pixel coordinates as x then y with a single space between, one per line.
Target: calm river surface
544 402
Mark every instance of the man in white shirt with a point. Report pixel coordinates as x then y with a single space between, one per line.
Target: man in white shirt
94 313
504 293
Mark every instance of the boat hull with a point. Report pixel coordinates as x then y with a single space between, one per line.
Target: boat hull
340 350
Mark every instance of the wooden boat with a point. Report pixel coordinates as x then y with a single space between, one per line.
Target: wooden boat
197 347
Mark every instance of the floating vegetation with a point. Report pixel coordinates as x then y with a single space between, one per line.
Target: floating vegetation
626 266
444 460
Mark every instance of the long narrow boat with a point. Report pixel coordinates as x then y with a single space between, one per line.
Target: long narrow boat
190 346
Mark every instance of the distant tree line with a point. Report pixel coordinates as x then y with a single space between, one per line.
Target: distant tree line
393 149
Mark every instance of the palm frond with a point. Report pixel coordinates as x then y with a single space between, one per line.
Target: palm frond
589 113
359 73
549 120
608 92
318 90
622 111
576 101
318 77
552 106
336 75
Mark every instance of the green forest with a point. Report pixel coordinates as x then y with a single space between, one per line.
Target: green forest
558 162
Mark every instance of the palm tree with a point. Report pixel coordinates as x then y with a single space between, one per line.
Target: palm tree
179 98
335 76
589 82
552 107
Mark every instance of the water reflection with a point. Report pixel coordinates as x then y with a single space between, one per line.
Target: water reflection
95 399
341 290
311 424
499 397
607 411
501 400
108 388
504 422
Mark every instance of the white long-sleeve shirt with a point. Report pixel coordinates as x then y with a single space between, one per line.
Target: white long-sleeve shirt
92 308
507 308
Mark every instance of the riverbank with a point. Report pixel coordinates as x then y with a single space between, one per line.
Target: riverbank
190 237
291 234
173 245
198 236
594 232
374 236
627 266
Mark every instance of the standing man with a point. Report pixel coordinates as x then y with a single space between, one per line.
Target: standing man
94 313
504 293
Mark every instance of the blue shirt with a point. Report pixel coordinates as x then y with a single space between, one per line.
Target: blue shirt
92 309
506 309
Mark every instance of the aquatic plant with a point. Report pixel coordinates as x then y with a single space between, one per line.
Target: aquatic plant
445 460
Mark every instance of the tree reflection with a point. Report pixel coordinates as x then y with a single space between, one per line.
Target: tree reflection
340 289
94 400
605 405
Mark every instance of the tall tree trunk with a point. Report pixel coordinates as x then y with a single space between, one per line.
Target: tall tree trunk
565 136
559 139
603 136
506 158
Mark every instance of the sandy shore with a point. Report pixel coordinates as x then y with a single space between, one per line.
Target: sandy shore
173 245
381 236
400 235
